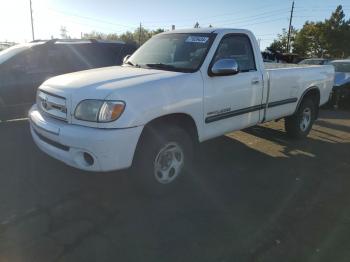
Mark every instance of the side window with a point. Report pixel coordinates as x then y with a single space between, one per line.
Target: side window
239 48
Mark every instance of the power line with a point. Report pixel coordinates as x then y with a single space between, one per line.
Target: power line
261 22
245 25
73 22
209 17
253 18
91 18
238 20
243 19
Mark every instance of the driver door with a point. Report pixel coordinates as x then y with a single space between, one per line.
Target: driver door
233 102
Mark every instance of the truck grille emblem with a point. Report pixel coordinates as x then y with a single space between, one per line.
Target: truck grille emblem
44 103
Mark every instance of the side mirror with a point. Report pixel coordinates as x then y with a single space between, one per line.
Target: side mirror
126 59
224 67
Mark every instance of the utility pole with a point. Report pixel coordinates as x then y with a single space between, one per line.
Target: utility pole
140 34
290 27
31 18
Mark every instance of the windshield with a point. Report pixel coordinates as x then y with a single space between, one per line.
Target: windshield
174 52
343 67
14 50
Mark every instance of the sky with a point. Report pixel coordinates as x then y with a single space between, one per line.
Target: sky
265 18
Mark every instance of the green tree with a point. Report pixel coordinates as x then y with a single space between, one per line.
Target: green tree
112 36
94 35
157 31
311 41
279 45
141 35
337 34
128 37
329 38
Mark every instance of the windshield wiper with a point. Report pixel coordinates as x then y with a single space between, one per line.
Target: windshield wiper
132 64
161 66
129 63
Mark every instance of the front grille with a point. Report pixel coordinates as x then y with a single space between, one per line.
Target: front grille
52 105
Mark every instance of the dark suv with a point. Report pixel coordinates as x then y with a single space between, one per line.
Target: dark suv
23 68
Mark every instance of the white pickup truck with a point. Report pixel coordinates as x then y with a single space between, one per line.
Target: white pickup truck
180 88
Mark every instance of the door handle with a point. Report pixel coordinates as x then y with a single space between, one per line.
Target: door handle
255 81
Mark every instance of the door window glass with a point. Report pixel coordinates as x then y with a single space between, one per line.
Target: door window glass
239 48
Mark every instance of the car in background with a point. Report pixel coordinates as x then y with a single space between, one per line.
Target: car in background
341 88
315 61
24 67
5 45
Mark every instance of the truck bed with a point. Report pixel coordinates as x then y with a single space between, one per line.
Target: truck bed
288 82
282 65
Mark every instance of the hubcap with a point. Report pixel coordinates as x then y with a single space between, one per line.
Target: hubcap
168 163
305 119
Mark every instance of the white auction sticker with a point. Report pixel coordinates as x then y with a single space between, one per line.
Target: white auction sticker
197 39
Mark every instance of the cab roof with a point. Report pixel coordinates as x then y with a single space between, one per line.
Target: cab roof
207 30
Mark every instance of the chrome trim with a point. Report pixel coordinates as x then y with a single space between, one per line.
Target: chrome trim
52 105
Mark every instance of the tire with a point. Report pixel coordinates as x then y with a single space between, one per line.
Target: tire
300 124
162 160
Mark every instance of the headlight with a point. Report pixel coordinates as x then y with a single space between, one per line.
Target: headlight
99 110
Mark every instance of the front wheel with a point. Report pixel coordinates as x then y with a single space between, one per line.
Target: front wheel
162 159
299 125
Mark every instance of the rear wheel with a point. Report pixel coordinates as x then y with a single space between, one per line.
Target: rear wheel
162 159
299 125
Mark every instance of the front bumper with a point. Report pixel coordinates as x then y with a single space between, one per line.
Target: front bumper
109 149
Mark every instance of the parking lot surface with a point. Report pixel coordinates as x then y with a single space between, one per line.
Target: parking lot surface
253 195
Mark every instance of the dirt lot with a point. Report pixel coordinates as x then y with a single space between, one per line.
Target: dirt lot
254 195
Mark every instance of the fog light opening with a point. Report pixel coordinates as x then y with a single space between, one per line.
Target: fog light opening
88 159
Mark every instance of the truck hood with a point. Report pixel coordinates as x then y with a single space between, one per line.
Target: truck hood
341 78
100 83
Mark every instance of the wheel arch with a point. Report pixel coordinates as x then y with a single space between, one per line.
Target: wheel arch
182 120
314 93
